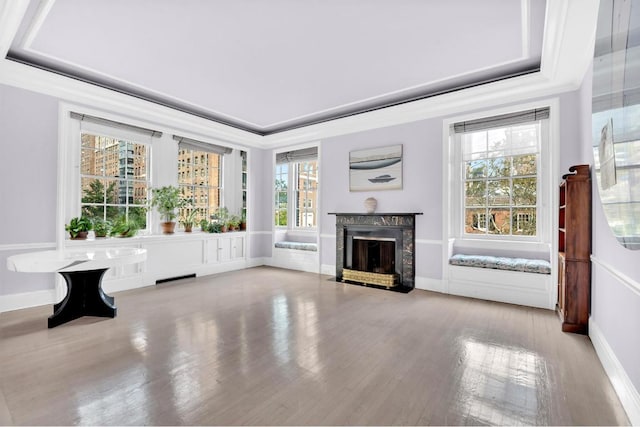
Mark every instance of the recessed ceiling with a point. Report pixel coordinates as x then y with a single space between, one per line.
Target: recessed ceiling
268 66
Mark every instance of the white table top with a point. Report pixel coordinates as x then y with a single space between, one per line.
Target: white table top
75 259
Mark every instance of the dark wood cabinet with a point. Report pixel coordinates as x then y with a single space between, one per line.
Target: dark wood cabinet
574 250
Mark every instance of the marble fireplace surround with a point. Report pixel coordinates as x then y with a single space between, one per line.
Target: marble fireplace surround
400 225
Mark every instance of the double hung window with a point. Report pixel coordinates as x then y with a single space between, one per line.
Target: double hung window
114 175
296 189
200 177
499 160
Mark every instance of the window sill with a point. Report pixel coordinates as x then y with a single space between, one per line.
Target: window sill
149 238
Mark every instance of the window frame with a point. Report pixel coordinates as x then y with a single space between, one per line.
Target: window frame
453 191
69 165
459 168
293 191
198 162
132 181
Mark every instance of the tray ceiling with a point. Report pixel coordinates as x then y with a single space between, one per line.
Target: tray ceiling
269 66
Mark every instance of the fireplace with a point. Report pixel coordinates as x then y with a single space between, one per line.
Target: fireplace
376 250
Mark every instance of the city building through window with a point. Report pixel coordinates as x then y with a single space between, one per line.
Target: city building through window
114 178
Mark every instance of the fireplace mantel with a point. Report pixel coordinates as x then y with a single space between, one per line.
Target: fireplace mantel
399 226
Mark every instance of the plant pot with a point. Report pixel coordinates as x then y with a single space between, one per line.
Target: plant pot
188 228
223 229
243 226
168 227
81 235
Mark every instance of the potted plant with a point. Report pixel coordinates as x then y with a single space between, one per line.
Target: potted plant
101 227
124 227
167 200
222 217
233 222
78 228
188 220
243 221
214 227
204 224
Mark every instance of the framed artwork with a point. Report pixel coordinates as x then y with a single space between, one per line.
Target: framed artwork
375 169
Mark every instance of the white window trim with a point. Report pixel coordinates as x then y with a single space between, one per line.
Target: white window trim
290 228
457 201
163 165
548 194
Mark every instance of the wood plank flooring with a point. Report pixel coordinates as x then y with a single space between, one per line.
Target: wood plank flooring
266 346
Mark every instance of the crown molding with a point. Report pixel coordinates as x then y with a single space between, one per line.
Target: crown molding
566 55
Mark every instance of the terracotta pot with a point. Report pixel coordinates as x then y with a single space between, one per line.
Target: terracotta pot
168 227
82 235
243 226
188 228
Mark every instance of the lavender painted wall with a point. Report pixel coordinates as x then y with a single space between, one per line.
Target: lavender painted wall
260 202
29 145
615 308
421 186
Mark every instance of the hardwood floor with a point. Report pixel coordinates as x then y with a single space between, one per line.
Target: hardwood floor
265 346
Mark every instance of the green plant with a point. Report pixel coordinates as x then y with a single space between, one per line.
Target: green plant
78 225
233 222
189 219
214 227
167 200
101 227
204 224
221 215
124 228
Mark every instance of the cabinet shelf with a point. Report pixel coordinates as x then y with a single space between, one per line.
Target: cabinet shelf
574 250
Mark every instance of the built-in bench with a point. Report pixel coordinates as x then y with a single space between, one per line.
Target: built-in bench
296 249
513 275
502 263
301 246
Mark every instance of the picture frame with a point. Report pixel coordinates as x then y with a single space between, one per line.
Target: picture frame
376 169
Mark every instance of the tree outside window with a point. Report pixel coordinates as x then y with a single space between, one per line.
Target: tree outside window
500 180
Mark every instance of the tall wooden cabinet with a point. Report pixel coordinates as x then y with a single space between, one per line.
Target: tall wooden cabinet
574 250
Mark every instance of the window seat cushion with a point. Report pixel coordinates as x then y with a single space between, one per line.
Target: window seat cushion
302 246
502 263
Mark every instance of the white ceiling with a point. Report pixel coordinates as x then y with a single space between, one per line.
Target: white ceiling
268 66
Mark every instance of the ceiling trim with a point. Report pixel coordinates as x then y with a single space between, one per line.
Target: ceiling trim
565 59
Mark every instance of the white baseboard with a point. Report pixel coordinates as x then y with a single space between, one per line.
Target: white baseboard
47 297
627 393
328 269
427 284
256 262
27 300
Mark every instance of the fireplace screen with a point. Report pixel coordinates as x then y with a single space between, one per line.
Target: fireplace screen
376 255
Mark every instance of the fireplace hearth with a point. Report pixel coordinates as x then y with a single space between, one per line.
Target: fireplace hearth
376 250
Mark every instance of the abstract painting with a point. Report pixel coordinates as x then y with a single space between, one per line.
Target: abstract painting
376 169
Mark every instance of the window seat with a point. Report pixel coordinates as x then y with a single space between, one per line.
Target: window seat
502 263
302 246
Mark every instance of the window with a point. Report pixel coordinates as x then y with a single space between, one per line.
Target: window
499 160
243 157
281 194
296 189
114 178
199 179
